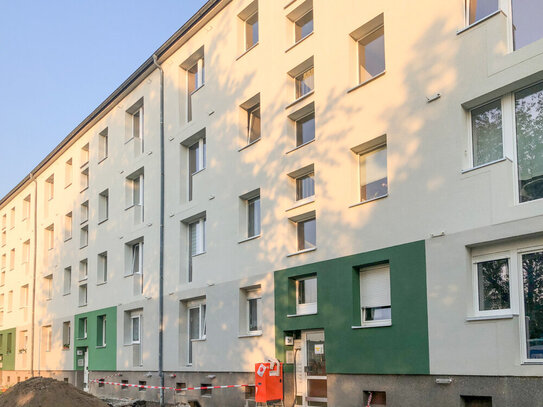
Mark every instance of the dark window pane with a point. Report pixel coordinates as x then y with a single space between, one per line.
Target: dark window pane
479 9
304 26
532 271
307 234
486 128
305 129
305 186
527 18
493 282
371 54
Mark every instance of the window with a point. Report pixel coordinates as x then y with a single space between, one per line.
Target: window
23 303
4 261
135 194
142 383
197 325
486 133
375 398
305 129
249 23
101 325
48 287
66 334
12 259
194 67
135 329
493 286
370 41
103 206
102 268
305 83
84 179
68 226
9 343
303 26
50 237
83 270
196 241
476 10
133 335
103 144
47 338
306 295
254 311
253 217
252 125
306 231
134 117
10 300
529 131
83 295
195 75
136 258
476 401
526 18
372 165
3 278
50 188
84 236
305 186
85 154
26 208
532 278
4 221
82 328
84 211
197 161
67 286
26 252
375 296
4 238
12 218
205 392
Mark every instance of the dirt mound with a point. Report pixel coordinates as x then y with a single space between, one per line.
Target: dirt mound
46 392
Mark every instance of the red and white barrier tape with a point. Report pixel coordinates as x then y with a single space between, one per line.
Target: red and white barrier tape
142 386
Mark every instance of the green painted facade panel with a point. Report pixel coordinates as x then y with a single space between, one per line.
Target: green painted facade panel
100 357
401 348
7 349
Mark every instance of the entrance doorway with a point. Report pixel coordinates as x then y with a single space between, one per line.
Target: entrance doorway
311 379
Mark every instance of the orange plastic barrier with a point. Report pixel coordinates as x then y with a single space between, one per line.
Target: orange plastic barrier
268 382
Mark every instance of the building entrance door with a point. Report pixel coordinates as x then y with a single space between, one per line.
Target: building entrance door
313 374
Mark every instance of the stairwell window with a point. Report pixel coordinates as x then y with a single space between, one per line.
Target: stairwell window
375 301
82 295
85 155
197 231
68 224
103 206
48 287
101 331
135 195
68 173
84 179
67 285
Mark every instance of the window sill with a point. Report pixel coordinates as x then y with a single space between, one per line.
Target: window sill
489 317
65 294
84 164
67 239
300 99
312 249
100 346
250 144
302 202
301 315
198 340
101 283
299 41
251 335
247 50
300 146
84 221
249 239
367 201
82 305
102 221
84 189
478 22
366 82
374 325
531 362
484 165
67 185
196 90
102 160
198 172
82 247
198 254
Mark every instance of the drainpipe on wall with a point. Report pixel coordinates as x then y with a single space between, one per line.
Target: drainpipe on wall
161 255
34 274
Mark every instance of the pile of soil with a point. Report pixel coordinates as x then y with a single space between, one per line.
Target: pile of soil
46 392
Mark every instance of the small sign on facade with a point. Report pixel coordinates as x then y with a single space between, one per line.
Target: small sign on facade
319 349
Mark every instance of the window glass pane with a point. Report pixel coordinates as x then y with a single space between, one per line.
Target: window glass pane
377 314
486 129
193 239
527 17
254 217
203 322
192 75
194 323
194 158
304 26
307 291
136 124
307 234
371 54
532 270
135 329
529 126
305 186
254 124
305 83
375 293
479 9
373 174
253 314
493 282
135 258
305 129
251 31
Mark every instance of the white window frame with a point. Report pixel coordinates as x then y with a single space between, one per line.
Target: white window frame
475 281
308 307
133 270
257 220
364 153
380 322
104 325
254 294
200 305
132 318
139 135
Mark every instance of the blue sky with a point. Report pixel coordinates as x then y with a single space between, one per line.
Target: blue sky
61 59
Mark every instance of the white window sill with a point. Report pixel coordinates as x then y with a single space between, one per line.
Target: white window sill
102 221
489 317
299 41
250 144
368 200
84 189
250 335
198 172
366 82
301 315
300 99
373 325
102 160
67 185
82 305
101 283
198 340
64 294
85 164
311 249
300 146
249 239
100 347
67 239
199 254
247 50
84 221
478 22
197 89
485 165
302 202
532 362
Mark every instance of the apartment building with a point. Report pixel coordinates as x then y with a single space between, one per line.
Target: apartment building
321 182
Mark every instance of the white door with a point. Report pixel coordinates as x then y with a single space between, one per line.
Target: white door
86 370
314 369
